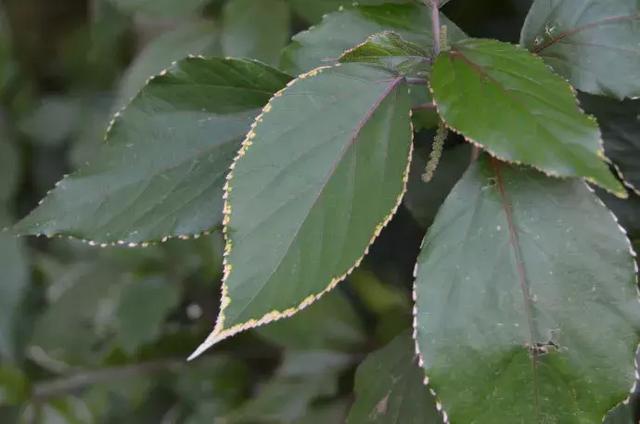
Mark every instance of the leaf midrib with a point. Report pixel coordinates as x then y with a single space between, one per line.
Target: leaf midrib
356 132
514 241
585 27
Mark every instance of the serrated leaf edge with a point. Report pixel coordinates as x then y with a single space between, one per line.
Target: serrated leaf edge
600 152
220 333
414 296
116 117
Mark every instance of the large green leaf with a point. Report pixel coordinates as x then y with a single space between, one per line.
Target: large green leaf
189 39
506 100
389 388
161 172
342 30
620 124
318 177
255 28
594 43
526 301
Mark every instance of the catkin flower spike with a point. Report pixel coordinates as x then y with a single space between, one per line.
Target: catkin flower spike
436 152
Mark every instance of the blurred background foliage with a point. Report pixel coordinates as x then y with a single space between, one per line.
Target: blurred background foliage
90 335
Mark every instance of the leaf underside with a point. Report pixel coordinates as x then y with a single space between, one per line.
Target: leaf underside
162 169
504 99
527 307
318 177
593 43
339 31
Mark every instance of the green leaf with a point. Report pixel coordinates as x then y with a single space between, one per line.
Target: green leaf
255 28
13 285
161 172
142 309
390 50
200 38
14 386
389 388
161 8
301 206
423 200
335 324
593 43
526 301
620 124
506 100
342 30
314 10
9 169
81 301
302 378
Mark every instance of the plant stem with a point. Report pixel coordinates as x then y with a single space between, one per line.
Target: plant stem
435 23
66 385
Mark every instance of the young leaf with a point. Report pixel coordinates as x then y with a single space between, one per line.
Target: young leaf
593 43
526 300
342 30
389 388
255 28
390 50
318 177
161 172
506 100
620 124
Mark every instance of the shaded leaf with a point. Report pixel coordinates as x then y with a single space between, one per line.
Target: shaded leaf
506 100
257 29
14 386
313 10
331 323
389 388
620 124
531 278
14 281
301 210
581 39
161 8
302 378
391 51
9 170
81 305
340 31
142 308
161 172
200 38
